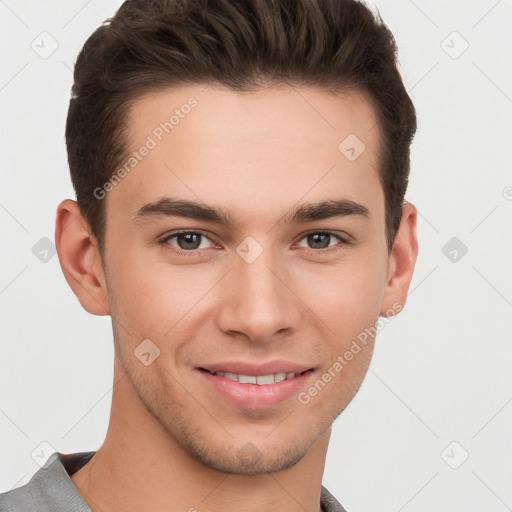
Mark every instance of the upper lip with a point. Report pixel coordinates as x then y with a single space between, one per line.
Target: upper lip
245 368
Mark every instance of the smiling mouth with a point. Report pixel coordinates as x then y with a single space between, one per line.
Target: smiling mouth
259 380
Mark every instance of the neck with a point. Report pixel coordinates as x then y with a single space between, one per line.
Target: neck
141 467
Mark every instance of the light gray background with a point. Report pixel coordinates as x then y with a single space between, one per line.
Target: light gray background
441 370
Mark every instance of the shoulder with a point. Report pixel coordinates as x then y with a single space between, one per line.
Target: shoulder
34 495
49 490
20 499
329 503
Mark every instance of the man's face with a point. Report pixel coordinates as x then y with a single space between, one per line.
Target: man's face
269 293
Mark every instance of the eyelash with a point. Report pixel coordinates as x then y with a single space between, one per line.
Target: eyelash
198 252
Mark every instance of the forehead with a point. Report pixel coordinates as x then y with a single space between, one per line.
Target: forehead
228 146
252 116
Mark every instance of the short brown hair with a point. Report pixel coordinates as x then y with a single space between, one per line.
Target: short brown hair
150 45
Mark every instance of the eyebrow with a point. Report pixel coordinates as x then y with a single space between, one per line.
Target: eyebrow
307 212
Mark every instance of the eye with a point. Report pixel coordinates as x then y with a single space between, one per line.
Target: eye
187 241
190 243
322 240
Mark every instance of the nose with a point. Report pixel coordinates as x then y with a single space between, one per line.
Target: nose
258 301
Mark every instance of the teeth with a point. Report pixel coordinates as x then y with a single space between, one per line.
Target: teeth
247 379
265 379
261 380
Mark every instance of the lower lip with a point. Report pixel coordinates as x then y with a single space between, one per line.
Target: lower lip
254 396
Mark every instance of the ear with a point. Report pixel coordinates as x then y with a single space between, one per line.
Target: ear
80 259
401 262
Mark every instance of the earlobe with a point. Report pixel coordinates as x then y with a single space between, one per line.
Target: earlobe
401 262
80 259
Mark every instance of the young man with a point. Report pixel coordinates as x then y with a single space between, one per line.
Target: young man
240 171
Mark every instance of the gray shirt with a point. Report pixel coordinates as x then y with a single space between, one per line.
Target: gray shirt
51 490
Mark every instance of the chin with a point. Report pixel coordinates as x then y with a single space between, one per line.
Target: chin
248 460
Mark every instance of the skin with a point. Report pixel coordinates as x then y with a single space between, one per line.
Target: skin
172 442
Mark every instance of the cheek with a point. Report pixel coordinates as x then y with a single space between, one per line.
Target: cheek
346 297
150 296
